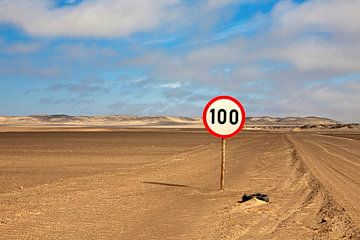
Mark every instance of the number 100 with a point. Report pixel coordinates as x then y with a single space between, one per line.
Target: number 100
222 115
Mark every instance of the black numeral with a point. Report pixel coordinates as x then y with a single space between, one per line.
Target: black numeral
222 116
234 117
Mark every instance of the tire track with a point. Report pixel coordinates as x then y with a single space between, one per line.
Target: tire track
333 221
342 147
330 152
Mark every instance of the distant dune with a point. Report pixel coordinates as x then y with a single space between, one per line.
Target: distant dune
61 120
108 120
288 121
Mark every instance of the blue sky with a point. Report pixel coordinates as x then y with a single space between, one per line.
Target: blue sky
169 57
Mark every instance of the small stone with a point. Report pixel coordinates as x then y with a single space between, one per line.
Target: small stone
260 196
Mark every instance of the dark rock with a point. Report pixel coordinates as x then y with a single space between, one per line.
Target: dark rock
260 196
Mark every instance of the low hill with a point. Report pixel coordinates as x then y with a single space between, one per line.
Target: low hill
108 120
288 121
152 121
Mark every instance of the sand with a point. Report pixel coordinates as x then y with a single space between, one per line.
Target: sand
163 184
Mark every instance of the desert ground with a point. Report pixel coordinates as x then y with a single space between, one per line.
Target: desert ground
164 184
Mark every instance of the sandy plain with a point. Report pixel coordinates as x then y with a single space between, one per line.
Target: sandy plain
163 184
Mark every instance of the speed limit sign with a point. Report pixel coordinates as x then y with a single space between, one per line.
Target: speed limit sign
223 117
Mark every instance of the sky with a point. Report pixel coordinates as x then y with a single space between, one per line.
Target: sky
170 57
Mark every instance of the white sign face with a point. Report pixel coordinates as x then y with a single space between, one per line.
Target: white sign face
224 116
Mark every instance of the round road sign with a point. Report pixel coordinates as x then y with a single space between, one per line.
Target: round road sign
224 116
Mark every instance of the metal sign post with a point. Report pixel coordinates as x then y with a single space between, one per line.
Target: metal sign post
223 157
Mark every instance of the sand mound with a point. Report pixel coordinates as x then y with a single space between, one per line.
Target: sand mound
254 202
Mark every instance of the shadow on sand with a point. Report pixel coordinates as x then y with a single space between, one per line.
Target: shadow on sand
168 184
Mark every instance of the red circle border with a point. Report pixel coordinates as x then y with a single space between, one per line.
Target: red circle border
242 120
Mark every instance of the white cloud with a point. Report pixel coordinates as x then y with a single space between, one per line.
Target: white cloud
103 18
219 3
312 54
307 43
85 51
213 4
206 65
317 35
334 16
340 101
21 48
109 18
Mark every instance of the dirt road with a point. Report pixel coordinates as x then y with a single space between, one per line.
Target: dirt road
164 185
